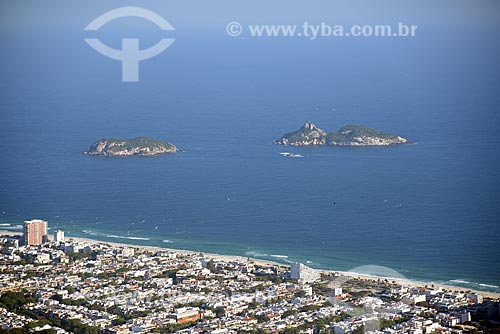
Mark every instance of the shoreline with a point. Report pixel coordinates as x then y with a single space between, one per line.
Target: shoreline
400 281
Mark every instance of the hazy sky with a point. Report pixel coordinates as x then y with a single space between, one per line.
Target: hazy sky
45 38
200 16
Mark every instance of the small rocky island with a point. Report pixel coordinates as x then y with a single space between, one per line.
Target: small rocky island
140 146
350 135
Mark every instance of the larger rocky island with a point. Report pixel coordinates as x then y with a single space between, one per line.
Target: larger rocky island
140 146
350 135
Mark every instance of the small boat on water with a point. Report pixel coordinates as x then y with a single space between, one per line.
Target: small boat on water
291 155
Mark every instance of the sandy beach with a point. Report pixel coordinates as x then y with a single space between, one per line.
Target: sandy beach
342 274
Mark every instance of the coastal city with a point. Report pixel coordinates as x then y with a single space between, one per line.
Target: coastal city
53 284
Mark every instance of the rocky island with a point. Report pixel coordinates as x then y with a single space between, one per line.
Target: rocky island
309 134
350 135
140 146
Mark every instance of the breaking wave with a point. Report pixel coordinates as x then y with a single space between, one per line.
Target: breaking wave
279 256
12 227
255 254
124 237
89 232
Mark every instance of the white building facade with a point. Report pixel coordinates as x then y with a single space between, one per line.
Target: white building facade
304 273
59 236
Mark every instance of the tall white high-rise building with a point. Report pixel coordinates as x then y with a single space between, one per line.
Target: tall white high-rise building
304 273
59 236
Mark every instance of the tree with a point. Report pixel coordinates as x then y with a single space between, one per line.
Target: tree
301 293
211 266
359 330
386 323
220 312
48 331
70 289
118 321
15 301
262 318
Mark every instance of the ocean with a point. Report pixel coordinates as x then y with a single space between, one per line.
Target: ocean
428 210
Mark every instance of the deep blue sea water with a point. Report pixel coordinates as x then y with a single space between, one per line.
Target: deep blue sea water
429 210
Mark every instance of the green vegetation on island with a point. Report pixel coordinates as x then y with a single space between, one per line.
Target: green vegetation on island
308 134
361 135
141 146
350 135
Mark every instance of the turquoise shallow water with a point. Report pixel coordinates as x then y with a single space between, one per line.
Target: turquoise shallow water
429 210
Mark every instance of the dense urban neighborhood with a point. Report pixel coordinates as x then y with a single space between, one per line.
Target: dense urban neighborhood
77 286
